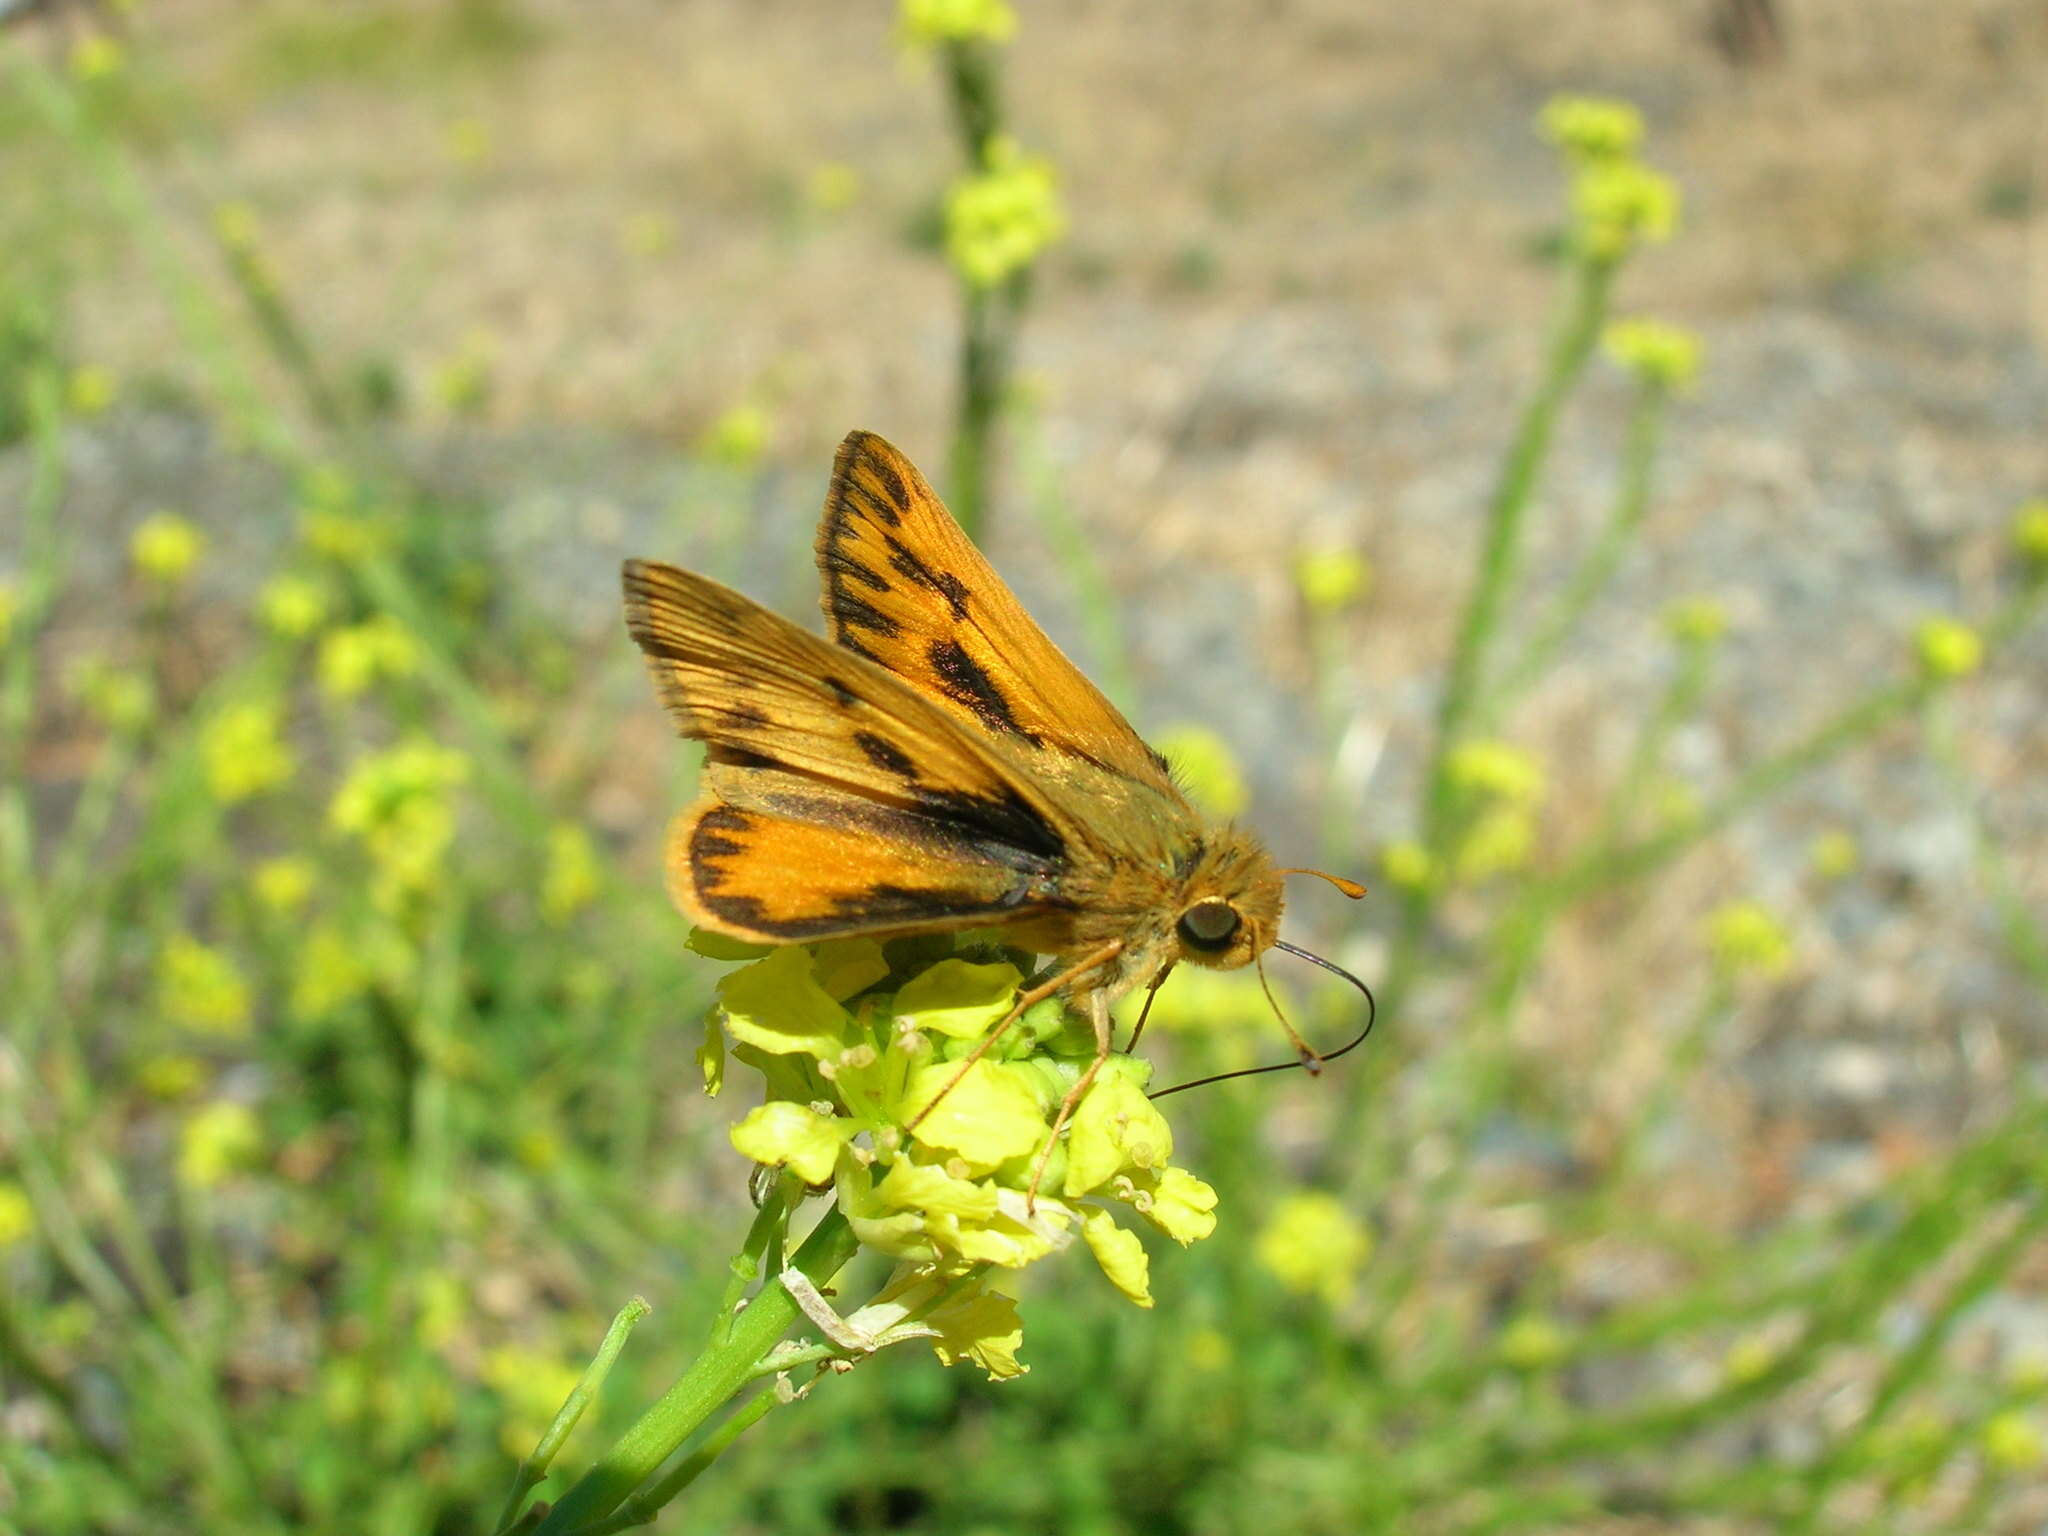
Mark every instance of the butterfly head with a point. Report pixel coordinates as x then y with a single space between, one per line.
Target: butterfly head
1230 904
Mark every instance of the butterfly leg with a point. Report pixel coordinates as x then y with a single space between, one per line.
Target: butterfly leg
1034 996
1098 1015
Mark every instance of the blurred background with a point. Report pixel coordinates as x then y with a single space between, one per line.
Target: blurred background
1615 534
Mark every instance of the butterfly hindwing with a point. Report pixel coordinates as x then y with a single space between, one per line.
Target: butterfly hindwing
904 587
840 801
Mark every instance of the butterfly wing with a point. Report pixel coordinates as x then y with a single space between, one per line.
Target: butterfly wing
905 588
838 800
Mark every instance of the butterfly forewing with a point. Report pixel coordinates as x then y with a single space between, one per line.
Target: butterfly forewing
839 801
905 588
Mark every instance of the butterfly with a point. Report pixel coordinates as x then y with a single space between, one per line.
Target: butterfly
936 764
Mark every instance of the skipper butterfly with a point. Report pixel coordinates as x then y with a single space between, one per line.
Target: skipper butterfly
936 764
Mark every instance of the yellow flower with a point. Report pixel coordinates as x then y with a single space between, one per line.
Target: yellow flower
780 1134
1666 356
571 881
118 696
1948 648
201 988
878 1084
2013 1442
949 21
1619 204
1593 127
1116 1130
1407 864
1000 219
242 751
358 655
957 998
1744 937
1696 620
1206 768
330 972
400 803
2030 532
468 141
293 606
219 1139
1495 768
165 547
833 187
462 380
171 1076
1533 1342
1499 841
89 390
10 605
1313 1246
347 538
1121 1255
97 57
1834 854
738 438
17 1216
1332 579
1750 1358
284 884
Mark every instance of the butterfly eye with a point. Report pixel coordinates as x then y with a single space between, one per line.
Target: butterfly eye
1209 925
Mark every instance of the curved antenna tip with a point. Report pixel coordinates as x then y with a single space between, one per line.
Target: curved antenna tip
1350 888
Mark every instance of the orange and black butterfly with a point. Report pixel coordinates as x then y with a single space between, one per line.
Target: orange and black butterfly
936 764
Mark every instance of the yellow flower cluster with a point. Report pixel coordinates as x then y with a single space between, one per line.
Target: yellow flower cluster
165 547
17 1216
401 804
853 1052
1744 937
357 655
1332 579
1001 218
1696 620
1664 356
2030 533
244 751
1313 1246
571 881
1948 648
957 21
1504 784
218 1139
1617 202
201 988
738 438
293 606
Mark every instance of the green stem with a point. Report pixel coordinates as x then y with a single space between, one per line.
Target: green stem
706 1386
1499 561
1596 570
643 1507
534 1469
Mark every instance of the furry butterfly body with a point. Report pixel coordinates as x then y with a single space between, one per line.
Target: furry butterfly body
936 764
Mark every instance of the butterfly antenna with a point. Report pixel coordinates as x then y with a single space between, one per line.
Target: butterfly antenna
1350 888
1371 1014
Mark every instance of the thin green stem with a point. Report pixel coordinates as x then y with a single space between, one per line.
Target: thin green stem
1597 568
643 1507
1499 562
705 1387
534 1469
